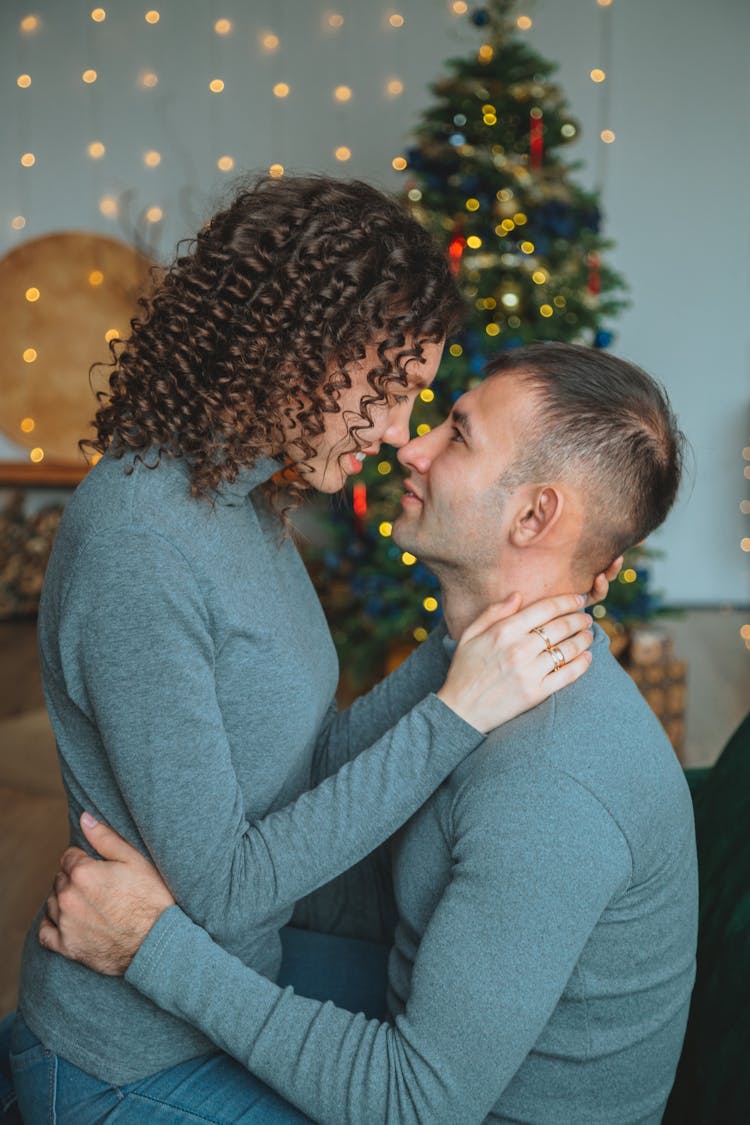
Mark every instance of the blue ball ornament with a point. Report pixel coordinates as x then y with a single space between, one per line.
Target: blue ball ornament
602 338
480 17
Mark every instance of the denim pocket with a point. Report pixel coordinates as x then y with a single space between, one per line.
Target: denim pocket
25 1048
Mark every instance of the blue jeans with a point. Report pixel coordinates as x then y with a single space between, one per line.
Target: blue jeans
212 1088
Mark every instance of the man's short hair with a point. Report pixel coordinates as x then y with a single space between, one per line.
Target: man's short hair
611 427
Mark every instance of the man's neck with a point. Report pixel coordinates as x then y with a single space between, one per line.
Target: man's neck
465 596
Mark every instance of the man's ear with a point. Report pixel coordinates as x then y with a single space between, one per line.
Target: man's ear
536 516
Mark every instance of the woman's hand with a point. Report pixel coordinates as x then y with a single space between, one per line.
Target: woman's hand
505 665
600 589
100 911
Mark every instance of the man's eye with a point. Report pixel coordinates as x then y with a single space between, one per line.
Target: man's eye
456 435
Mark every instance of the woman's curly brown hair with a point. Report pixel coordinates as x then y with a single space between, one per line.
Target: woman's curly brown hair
252 329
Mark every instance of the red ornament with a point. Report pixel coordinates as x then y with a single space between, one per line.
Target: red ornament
359 503
594 283
456 248
536 139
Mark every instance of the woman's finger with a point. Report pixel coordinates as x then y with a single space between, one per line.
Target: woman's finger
545 637
565 652
541 613
499 611
565 675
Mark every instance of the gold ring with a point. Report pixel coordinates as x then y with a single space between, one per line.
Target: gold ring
558 658
539 630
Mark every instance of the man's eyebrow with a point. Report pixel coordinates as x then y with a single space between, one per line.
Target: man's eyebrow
462 421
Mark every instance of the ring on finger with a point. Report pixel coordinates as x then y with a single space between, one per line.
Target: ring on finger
558 658
539 630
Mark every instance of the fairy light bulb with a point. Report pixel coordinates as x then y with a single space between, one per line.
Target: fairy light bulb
29 23
98 15
223 27
398 164
154 215
27 425
108 206
32 294
276 171
270 42
148 79
23 81
96 150
396 20
152 16
597 74
607 136
281 90
343 153
28 160
394 87
36 455
89 77
216 85
342 93
152 159
18 222
96 278
225 163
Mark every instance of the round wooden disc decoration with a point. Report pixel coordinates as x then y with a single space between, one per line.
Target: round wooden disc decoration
62 297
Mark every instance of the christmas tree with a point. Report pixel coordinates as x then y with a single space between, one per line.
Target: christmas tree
488 176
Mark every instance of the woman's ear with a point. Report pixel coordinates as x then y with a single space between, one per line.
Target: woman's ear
537 515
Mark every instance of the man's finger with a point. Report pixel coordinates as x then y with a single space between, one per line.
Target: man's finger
52 908
106 841
49 936
70 857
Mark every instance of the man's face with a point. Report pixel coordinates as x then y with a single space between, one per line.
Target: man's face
453 509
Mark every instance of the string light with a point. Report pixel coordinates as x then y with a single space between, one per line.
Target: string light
225 163
281 90
29 355
112 334
527 247
427 395
408 559
485 54
89 77
519 219
539 277
546 310
414 194
423 429
28 160
604 3
152 16
459 8
24 81
568 129
223 27
96 277
524 23
36 455
18 222
597 75
334 20
473 242
154 215
343 153
342 93
270 42
98 15
396 20
607 136
29 23
385 528
745 544
152 159
492 329
394 87
27 425
398 164
276 170
108 206
472 204
148 80
216 85
384 468
430 604
32 294
420 634
96 150
455 350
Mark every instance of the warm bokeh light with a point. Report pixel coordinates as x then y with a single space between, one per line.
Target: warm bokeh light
24 81
152 16
27 425
154 215
223 27
597 75
398 163
604 3
343 153
408 559
96 150
28 160
423 429
744 631
394 87
527 247
281 90
29 23
524 23
334 20
546 310
396 20
36 455
607 136
745 544
492 329
473 242
385 528
96 277
225 163
29 355
32 294
108 206
98 15
485 54
472 204
18 222
430 604
216 85
89 77
111 334
384 468
276 170
342 93
455 350
427 395
152 159
459 7
148 80
270 42
420 634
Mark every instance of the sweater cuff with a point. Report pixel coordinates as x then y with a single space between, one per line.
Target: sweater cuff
165 932
450 724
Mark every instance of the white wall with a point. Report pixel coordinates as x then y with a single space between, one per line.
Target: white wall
675 179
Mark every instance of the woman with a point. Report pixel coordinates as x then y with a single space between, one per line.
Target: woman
188 669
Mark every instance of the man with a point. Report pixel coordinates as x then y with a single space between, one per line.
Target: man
546 894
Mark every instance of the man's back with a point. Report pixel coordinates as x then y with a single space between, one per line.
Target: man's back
553 879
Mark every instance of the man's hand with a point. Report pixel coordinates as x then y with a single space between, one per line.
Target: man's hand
600 589
100 911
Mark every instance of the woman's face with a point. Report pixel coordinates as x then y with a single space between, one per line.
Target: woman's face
327 470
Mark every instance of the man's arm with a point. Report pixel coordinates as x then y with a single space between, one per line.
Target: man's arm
536 859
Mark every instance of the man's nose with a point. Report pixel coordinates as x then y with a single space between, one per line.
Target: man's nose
419 452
